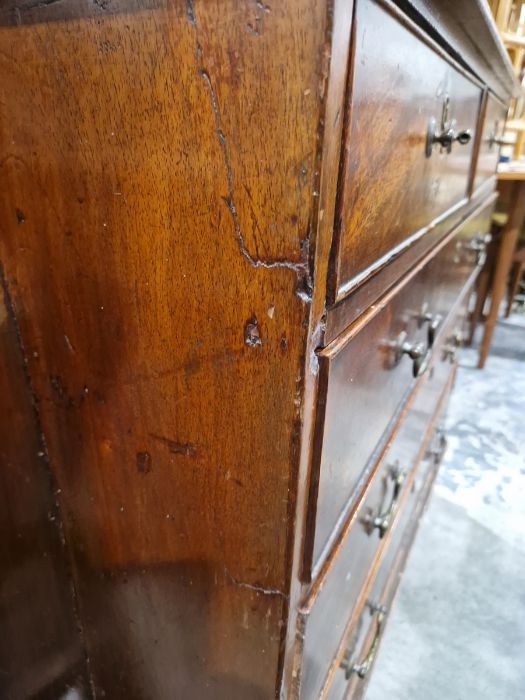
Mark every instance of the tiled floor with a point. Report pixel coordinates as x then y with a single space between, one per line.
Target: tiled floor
457 629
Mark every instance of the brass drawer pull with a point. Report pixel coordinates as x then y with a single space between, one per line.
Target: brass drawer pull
446 138
383 521
418 353
447 135
361 668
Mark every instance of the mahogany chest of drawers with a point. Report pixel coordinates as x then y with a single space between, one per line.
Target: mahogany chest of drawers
238 244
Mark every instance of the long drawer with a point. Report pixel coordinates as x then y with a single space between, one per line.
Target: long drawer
342 315
362 644
408 143
366 375
334 599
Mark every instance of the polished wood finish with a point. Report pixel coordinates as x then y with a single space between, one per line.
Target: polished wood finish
385 583
362 383
319 247
41 653
418 449
342 315
362 386
335 598
391 192
343 580
215 217
157 178
455 263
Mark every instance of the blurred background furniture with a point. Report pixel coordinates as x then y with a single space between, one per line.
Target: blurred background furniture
518 267
511 179
502 255
510 21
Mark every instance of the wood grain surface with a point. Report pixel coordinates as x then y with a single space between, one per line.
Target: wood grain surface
339 317
390 191
172 174
325 626
157 177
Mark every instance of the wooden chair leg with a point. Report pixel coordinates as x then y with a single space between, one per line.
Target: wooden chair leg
509 238
515 278
482 290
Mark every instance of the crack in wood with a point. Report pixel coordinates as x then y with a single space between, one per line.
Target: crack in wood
302 268
255 587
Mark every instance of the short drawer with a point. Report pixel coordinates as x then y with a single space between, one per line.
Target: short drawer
383 503
492 133
396 180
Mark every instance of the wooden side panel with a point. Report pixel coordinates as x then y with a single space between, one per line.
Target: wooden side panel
332 123
157 169
40 648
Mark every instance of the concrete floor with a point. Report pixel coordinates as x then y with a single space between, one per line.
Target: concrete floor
457 629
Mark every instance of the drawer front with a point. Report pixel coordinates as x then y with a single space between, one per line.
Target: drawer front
382 505
455 263
363 641
350 309
364 382
392 187
492 132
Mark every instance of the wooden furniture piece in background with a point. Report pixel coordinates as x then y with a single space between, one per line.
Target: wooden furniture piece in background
510 21
516 275
238 243
515 176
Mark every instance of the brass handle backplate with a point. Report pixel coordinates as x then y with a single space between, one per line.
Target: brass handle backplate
361 668
499 141
478 245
